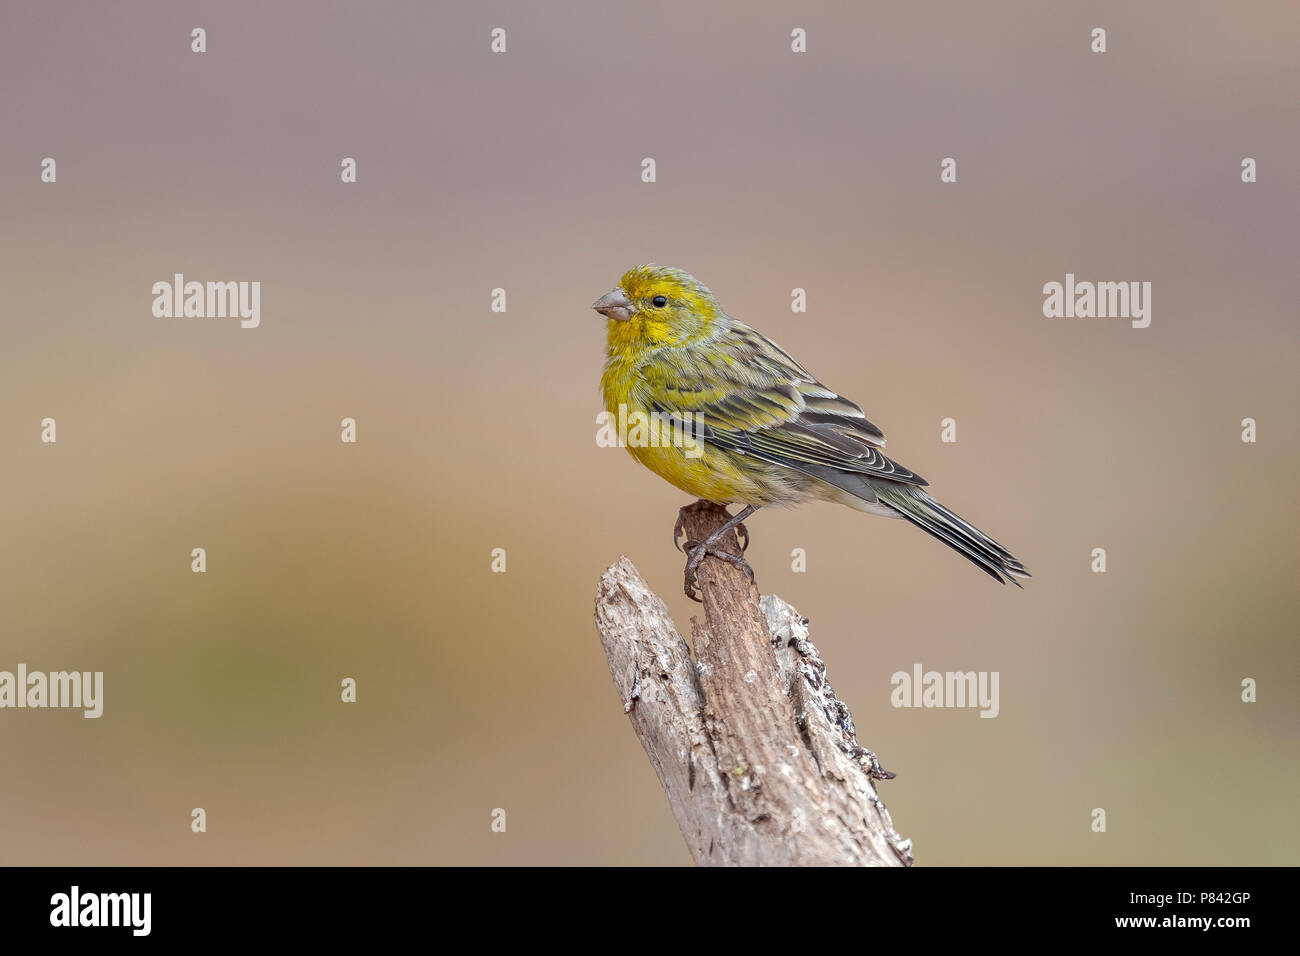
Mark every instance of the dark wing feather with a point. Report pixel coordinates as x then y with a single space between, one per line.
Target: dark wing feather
751 397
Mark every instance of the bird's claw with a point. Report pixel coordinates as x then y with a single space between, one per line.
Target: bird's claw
679 527
696 553
697 550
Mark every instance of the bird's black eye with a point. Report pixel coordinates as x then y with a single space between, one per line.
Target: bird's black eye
659 301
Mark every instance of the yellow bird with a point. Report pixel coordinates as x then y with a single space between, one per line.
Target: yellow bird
731 418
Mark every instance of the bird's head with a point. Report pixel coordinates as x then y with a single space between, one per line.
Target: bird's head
659 304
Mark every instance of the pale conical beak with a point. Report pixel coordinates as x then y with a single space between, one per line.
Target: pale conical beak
614 305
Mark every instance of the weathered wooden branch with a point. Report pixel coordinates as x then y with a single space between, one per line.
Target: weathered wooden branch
759 759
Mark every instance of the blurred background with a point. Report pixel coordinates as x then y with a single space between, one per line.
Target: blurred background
477 429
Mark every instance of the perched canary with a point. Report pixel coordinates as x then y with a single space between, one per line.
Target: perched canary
734 419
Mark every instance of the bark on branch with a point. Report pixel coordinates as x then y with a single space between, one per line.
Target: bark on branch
759 759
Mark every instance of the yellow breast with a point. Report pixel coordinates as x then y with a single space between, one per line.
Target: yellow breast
671 452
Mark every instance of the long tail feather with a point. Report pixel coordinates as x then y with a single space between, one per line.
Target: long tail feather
959 534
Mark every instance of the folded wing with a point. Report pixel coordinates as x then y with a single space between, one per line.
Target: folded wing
748 396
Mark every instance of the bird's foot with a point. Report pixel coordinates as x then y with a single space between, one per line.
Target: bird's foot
679 529
696 552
